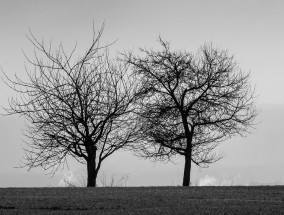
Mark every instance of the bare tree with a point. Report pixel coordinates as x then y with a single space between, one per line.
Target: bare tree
113 181
74 106
190 103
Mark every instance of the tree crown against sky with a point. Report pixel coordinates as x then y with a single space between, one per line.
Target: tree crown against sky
190 103
79 107
84 107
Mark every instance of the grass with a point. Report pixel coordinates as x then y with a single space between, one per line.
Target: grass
143 200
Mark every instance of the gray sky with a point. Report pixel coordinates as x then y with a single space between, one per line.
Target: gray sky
252 30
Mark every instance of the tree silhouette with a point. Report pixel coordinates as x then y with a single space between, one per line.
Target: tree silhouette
190 103
80 107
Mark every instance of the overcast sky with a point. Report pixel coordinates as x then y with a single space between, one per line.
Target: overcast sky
251 30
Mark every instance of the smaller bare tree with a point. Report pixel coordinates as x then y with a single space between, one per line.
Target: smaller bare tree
80 107
113 181
190 103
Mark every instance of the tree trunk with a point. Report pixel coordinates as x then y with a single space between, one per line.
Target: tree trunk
187 169
188 152
92 173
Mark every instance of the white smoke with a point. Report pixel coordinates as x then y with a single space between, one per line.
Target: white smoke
225 180
207 181
68 180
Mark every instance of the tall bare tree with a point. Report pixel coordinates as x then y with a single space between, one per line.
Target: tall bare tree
190 103
74 106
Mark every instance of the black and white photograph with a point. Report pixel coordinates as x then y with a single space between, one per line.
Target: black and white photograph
141 107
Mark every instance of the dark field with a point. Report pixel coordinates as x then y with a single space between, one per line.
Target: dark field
143 200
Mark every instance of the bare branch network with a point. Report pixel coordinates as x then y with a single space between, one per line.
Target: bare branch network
159 104
78 107
190 103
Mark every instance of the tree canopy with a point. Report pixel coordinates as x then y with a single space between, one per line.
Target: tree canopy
80 107
189 103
